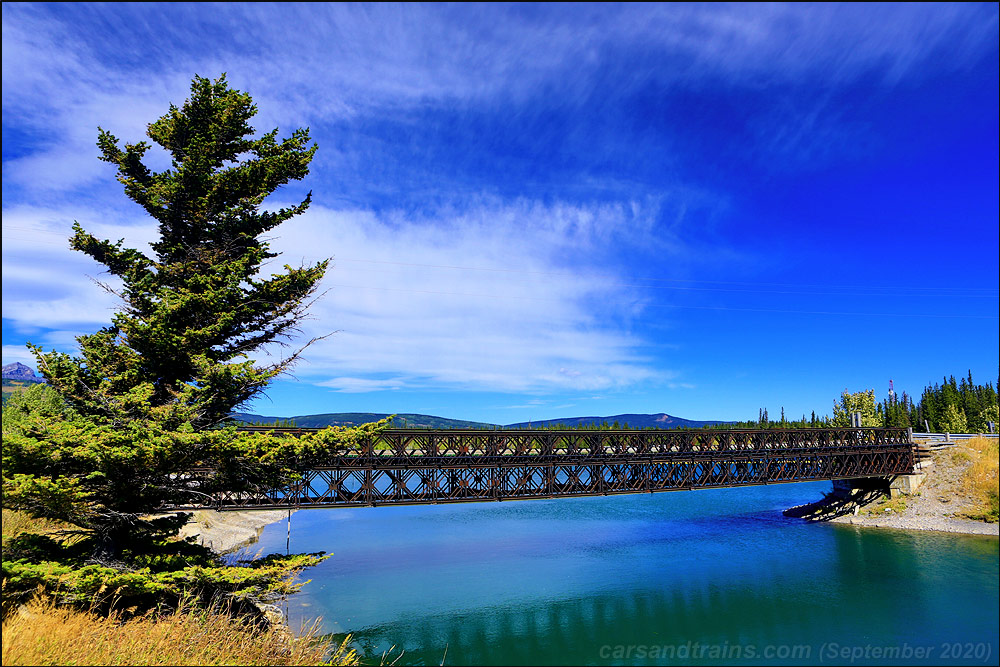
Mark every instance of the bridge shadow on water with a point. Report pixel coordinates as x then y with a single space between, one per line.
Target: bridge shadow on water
834 505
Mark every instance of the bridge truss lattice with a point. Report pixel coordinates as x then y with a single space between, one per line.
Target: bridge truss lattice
418 466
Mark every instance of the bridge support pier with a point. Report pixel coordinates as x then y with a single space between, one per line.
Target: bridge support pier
895 486
906 485
845 488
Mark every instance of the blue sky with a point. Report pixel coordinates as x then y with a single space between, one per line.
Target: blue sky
540 211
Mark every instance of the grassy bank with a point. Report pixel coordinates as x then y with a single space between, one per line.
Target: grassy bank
980 481
41 633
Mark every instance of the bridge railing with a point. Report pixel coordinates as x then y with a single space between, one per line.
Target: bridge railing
951 437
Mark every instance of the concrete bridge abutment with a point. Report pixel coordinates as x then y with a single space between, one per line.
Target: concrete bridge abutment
893 487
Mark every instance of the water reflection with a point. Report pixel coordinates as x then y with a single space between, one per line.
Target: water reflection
554 582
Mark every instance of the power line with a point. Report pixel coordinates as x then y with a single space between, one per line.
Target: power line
847 291
680 280
665 305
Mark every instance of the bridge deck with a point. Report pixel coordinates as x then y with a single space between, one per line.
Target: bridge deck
416 466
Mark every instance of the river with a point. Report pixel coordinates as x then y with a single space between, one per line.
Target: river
691 577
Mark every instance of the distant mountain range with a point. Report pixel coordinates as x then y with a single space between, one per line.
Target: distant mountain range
401 420
661 420
18 372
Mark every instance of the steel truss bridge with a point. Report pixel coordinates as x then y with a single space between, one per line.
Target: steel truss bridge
417 466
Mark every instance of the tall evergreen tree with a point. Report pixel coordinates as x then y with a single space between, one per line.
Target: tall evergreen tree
197 307
112 437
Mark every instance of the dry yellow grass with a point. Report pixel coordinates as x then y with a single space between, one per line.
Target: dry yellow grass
981 480
43 634
14 523
960 456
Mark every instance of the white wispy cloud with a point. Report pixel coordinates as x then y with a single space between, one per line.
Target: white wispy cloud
308 63
18 353
762 44
352 385
44 283
536 301
507 296
510 296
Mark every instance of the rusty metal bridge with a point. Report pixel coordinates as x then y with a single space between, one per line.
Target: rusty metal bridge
416 466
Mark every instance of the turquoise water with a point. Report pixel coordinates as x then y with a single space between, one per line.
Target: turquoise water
692 577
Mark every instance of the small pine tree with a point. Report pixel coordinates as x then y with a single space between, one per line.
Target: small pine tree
981 424
953 420
863 402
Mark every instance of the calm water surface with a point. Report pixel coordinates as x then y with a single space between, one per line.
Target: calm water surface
693 577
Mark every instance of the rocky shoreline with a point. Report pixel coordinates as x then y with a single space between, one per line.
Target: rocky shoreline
942 524
226 532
